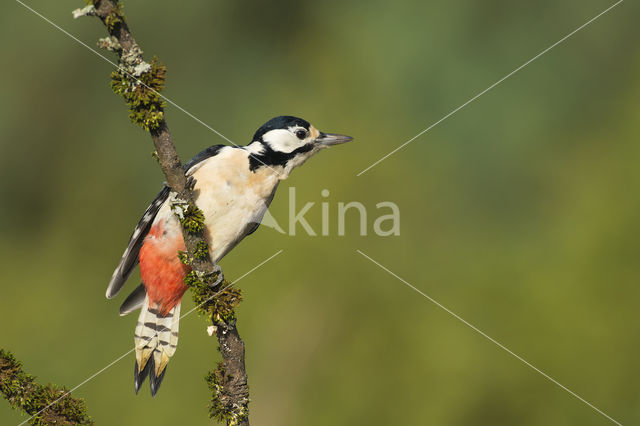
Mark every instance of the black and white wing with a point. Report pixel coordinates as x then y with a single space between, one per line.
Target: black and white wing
130 257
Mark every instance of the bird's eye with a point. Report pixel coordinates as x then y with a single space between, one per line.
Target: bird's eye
301 134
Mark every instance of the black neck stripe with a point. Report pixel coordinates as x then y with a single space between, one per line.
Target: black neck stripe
272 158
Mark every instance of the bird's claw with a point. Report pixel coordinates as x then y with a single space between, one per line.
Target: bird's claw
220 276
191 183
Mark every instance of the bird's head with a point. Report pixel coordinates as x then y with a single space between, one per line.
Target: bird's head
285 142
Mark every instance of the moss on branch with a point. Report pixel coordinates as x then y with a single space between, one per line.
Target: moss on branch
47 405
115 17
142 92
216 302
193 220
222 406
202 250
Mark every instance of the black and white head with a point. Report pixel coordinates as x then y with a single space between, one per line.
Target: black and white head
288 142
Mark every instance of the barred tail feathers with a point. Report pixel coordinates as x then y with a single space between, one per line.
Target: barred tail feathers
156 339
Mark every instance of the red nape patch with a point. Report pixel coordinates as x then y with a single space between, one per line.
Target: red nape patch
160 269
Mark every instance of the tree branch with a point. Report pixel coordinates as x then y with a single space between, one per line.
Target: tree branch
140 84
46 404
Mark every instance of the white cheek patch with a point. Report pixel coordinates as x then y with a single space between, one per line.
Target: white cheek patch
282 140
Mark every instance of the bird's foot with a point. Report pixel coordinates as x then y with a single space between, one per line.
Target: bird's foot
191 183
220 276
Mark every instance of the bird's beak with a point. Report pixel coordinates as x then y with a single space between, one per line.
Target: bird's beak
328 139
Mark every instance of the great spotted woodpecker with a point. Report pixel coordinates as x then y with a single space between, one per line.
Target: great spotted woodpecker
233 188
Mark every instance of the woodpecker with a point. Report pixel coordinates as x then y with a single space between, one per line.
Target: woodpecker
233 187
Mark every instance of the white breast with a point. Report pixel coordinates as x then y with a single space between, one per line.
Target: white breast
231 197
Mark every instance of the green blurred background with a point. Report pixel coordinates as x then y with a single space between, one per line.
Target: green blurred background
520 212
